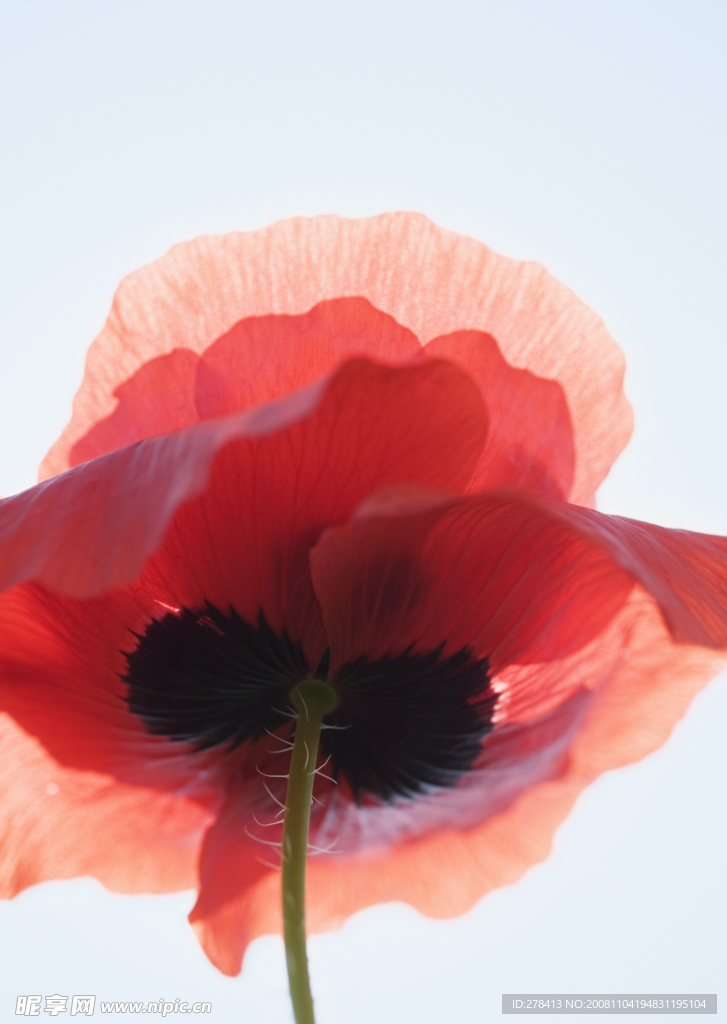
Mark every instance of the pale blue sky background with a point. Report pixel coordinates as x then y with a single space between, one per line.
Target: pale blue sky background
588 135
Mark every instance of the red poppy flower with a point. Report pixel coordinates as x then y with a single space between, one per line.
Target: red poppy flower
362 449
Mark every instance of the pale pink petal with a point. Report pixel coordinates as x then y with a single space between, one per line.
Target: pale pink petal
432 281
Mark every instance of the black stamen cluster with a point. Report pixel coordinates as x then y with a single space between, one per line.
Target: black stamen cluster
409 723
212 679
403 724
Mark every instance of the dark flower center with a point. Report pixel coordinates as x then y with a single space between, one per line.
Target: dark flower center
403 724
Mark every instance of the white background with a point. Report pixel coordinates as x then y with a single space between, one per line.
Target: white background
587 135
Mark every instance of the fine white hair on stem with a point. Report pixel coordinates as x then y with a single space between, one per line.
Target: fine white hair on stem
264 842
323 849
267 864
270 776
307 755
288 714
265 824
319 771
300 697
280 739
287 745
340 727
273 797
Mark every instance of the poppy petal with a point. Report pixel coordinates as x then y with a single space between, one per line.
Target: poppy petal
231 868
312 456
263 358
60 822
685 572
62 666
140 412
530 437
530 591
637 704
125 807
259 360
431 281
418 872
493 573
92 528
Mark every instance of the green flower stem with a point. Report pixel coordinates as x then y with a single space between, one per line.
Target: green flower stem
313 698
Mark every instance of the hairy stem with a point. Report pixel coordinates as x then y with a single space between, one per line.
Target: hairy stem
313 698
